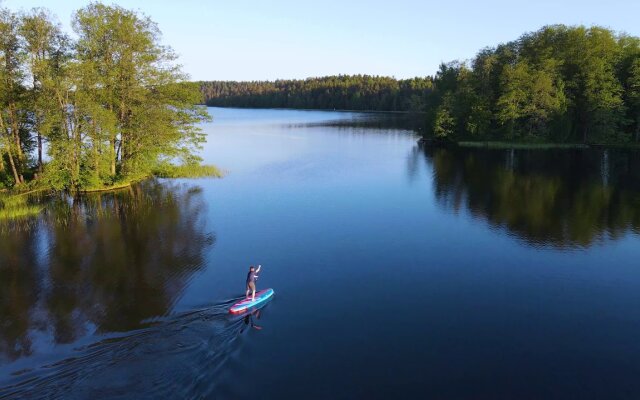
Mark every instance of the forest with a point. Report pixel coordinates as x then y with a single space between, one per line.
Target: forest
560 84
106 107
342 92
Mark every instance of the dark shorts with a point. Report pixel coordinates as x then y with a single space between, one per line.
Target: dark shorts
251 286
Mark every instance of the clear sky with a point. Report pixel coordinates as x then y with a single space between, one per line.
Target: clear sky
270 39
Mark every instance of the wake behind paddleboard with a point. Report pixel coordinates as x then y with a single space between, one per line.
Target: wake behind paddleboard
245 304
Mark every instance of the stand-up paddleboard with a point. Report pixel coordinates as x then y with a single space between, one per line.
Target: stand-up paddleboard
245 304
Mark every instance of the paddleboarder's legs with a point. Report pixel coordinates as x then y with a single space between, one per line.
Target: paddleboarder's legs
251 281
251 287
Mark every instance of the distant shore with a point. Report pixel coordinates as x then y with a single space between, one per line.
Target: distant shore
323 109
503 145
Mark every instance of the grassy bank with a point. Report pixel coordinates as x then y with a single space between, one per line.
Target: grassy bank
110 188
188 171
16 206
164 171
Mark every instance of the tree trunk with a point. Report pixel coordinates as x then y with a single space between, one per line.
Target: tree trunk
37 118
96 161
96 153
39 152
585 121
114 157
12 163
638 130
13 169
123 155
15 131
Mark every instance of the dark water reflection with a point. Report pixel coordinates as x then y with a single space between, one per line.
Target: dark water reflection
561 198
371 122
98 263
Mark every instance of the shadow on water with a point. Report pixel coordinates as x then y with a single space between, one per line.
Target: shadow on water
370 122
558 198
177 357
97 264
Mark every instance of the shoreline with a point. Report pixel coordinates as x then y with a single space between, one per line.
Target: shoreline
502 145
521 145
174 172
112 188
323 109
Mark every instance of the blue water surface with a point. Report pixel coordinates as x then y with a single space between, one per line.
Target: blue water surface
400 271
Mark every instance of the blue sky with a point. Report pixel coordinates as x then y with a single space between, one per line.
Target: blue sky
270 39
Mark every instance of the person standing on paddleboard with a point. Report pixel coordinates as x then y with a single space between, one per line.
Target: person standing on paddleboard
252 276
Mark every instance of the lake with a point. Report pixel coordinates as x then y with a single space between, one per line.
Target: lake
399 270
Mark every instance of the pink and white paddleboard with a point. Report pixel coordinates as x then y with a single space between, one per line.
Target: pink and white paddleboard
245 304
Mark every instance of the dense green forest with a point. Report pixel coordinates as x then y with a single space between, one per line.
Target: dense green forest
559 84
343 92
106 107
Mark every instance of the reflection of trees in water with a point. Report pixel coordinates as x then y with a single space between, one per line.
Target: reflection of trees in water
556 197
100 262
17 298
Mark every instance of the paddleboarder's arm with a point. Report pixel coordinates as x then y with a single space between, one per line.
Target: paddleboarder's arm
258 270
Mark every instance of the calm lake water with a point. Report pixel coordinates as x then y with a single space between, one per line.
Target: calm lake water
399 271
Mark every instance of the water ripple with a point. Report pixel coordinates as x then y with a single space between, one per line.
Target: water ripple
177 357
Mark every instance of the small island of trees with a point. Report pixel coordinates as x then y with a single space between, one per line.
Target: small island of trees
101 110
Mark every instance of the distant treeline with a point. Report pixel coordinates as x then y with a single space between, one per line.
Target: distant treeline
559 84
342 92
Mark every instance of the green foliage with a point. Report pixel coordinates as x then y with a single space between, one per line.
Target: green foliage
530 99
17 207
342 92
633 93
444 124
14 143
167 170
559 84
111 106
